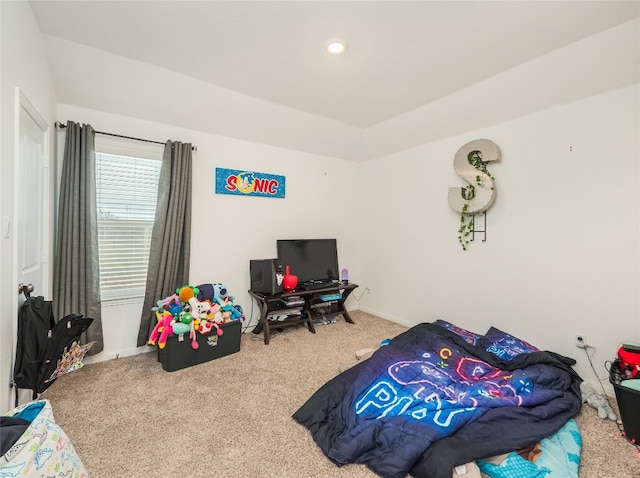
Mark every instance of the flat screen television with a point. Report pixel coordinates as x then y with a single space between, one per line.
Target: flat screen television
314 261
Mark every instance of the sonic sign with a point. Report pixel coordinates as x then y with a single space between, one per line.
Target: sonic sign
249 183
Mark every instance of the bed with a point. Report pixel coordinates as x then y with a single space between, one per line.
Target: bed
439 396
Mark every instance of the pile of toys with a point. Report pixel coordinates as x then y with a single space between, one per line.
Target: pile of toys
201 309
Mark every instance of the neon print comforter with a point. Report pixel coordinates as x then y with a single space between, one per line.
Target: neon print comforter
439 396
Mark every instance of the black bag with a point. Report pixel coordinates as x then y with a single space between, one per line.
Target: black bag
42 342
35 321
63 334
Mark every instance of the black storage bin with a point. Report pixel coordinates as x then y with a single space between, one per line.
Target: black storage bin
628 402
178 354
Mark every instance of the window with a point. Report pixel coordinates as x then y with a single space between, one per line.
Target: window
126 190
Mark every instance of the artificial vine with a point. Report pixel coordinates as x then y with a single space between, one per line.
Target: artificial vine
475 160
468 193
466 219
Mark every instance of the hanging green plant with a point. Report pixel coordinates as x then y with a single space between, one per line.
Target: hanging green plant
475 160
466 219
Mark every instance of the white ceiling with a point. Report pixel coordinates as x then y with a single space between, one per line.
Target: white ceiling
401 54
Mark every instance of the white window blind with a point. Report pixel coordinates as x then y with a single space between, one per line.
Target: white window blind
126 190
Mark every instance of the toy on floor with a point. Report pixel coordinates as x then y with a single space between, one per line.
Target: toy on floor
364 354
596 401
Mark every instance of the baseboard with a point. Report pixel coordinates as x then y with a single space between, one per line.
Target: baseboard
114 354
397 320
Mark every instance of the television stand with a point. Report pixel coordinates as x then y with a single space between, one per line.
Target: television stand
300 307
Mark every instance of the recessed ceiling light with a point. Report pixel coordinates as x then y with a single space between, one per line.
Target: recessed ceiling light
335 46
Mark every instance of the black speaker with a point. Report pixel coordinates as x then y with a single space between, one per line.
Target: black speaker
266 276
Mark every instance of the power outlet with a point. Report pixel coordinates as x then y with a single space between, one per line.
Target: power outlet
581 341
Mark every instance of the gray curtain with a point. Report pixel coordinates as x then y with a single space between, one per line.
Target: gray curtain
76 271
171 237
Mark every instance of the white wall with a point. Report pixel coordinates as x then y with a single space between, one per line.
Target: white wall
23 64
561 256
228 231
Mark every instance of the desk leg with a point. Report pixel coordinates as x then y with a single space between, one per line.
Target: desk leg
263 323
310 325
267 332
347 317
341 302
264 319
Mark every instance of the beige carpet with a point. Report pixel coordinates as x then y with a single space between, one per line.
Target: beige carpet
231 417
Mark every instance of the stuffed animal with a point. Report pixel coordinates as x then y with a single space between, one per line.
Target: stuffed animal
175 310
226 304
205 327
158 306
241 312
163 328
216 318
192 336
219 331
180 328
219 291
214 313
199 309
167 302
206 292
596 401
187 292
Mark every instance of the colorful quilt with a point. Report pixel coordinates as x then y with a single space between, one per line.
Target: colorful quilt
439 396
43 450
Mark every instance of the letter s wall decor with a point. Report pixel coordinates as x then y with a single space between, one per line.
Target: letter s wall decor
470 162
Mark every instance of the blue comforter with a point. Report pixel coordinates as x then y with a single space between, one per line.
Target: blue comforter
434 398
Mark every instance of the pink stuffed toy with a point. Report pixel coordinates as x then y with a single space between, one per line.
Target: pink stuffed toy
207 325
163 328
192 336
219 331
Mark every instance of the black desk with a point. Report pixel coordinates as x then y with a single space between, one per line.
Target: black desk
309 301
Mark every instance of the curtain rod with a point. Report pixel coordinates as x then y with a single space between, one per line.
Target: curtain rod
63 126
